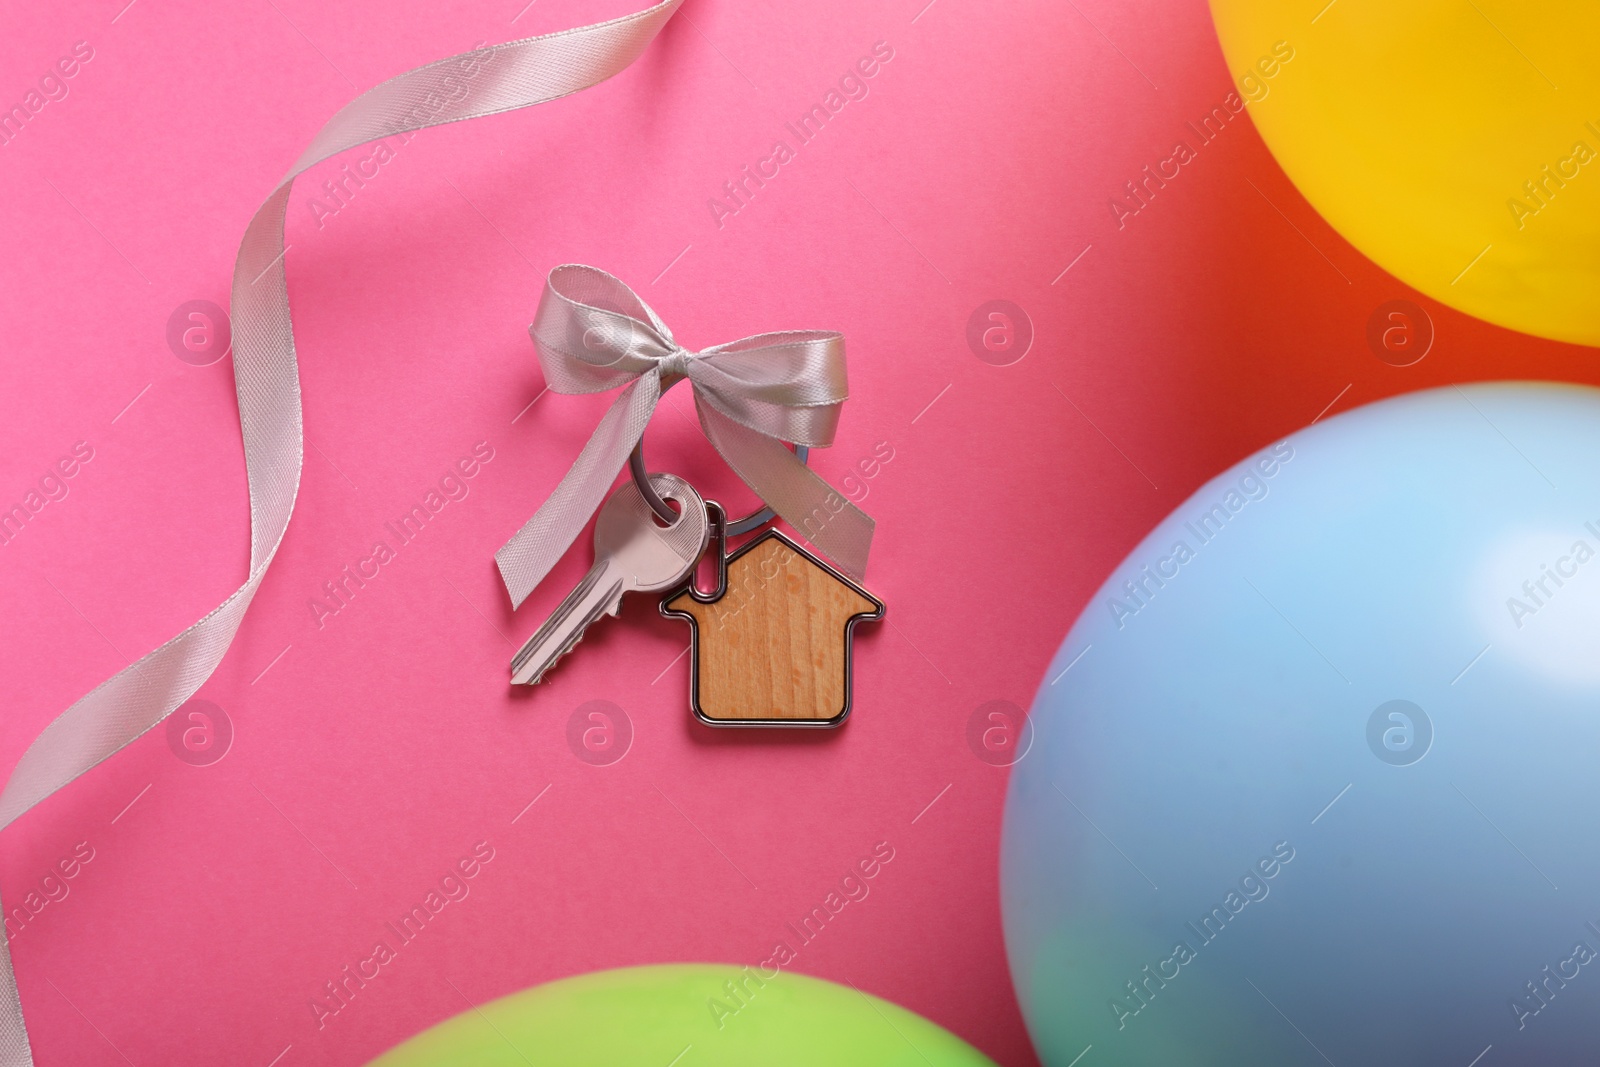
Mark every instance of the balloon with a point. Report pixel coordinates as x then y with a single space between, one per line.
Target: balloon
1455 143
1328 753
707 1014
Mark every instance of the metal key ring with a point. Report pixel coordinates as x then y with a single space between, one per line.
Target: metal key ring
756 518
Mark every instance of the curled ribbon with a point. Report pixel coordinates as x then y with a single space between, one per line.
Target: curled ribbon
593 333
487 81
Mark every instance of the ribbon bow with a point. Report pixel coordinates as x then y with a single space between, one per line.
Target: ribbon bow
593 333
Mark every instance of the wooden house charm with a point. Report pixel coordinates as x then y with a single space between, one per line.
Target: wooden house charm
771 647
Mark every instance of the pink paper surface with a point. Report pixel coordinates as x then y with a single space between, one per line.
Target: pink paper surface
374 747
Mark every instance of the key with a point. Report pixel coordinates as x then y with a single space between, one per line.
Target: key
632 554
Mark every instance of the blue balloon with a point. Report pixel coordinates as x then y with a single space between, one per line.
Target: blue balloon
1315 778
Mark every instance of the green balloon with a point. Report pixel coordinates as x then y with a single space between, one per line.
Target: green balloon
686 1015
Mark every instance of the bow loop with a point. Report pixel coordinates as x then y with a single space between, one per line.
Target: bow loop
789 386
593 333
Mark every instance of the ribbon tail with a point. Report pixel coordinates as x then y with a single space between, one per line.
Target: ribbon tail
533 550
499 78
839 529
14 1049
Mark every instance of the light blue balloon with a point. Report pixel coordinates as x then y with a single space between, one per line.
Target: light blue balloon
1315 778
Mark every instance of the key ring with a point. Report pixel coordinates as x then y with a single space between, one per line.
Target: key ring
756 518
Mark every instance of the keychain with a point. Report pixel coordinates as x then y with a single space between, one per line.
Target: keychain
769 646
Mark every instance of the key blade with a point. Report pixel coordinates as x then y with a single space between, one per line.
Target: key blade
600 593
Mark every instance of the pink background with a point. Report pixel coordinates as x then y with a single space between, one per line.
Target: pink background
373 752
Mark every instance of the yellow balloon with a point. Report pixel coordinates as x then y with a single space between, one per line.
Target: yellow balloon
1455 142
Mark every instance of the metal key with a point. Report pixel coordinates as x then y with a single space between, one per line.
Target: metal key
632 554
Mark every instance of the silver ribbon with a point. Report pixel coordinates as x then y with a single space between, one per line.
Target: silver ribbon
499 78
593 333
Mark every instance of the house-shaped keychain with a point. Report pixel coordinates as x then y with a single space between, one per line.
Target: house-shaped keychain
771 647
